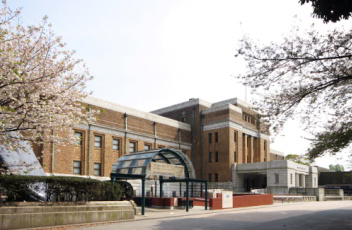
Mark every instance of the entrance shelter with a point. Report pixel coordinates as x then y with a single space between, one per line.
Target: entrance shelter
156 165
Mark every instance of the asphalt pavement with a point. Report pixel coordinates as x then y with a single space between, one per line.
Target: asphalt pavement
294 216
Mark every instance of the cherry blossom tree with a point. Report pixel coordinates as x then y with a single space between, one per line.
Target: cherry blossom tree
41 83
308 76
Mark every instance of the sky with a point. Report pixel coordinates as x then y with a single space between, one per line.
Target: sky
149 54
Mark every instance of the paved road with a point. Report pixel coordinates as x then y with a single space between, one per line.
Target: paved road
298 216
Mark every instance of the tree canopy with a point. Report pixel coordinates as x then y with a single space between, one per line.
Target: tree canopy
41 83
298 159
337 168
330 10
308 76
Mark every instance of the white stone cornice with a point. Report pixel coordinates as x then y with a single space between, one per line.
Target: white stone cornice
223 107
133 112
182 105
236 126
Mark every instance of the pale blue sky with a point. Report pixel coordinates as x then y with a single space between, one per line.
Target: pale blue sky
150 54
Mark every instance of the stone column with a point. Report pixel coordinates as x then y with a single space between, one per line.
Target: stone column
245 152
296 180
251 149
303 180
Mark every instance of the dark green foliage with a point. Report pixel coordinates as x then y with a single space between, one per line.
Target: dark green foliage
330 10
298 159
337 168
19 188
331 141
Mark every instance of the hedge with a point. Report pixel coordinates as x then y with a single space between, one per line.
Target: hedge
56 188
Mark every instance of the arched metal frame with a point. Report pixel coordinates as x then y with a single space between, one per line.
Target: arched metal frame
137 163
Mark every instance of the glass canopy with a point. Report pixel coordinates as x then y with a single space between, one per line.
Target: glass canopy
137 163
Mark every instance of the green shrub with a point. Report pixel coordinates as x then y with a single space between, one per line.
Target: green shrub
19 188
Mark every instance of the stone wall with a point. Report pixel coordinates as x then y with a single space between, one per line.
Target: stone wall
34 215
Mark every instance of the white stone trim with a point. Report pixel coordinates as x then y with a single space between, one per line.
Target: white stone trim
276 152
223 107
236 126
182 105
133 112
81 176
187 147
235 100
131 135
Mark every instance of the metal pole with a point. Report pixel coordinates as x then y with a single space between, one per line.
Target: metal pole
192 190
143 195
201 189
181 190
206 196
161 185
187 196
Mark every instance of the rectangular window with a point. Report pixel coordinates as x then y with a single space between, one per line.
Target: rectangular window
216 177
216 137
209 177
79 137
132 147
276 178
235 156
76 167
209 157
115 144
235 136
291 179
210 137
216 156
147 147
97 169
264 145
98 141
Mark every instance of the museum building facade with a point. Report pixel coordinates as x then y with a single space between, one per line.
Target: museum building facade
215 137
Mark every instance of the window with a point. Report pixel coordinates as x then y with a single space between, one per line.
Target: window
235 156
115 144
291 179
183 119
276 178
209 157
96 169
264 145
98 140
79 137
235 136
216 137
216 177
132 147
76 167
248 141
210 137
209 179
216 156
147 147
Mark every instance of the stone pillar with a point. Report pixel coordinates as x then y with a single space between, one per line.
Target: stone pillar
296 180
303 180
237 179
245 152
90 165
251 149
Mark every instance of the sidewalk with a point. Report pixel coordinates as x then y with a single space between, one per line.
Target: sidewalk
153 213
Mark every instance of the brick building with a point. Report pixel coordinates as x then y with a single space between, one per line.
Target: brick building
214 137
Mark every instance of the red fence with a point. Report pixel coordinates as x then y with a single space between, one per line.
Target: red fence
252 200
